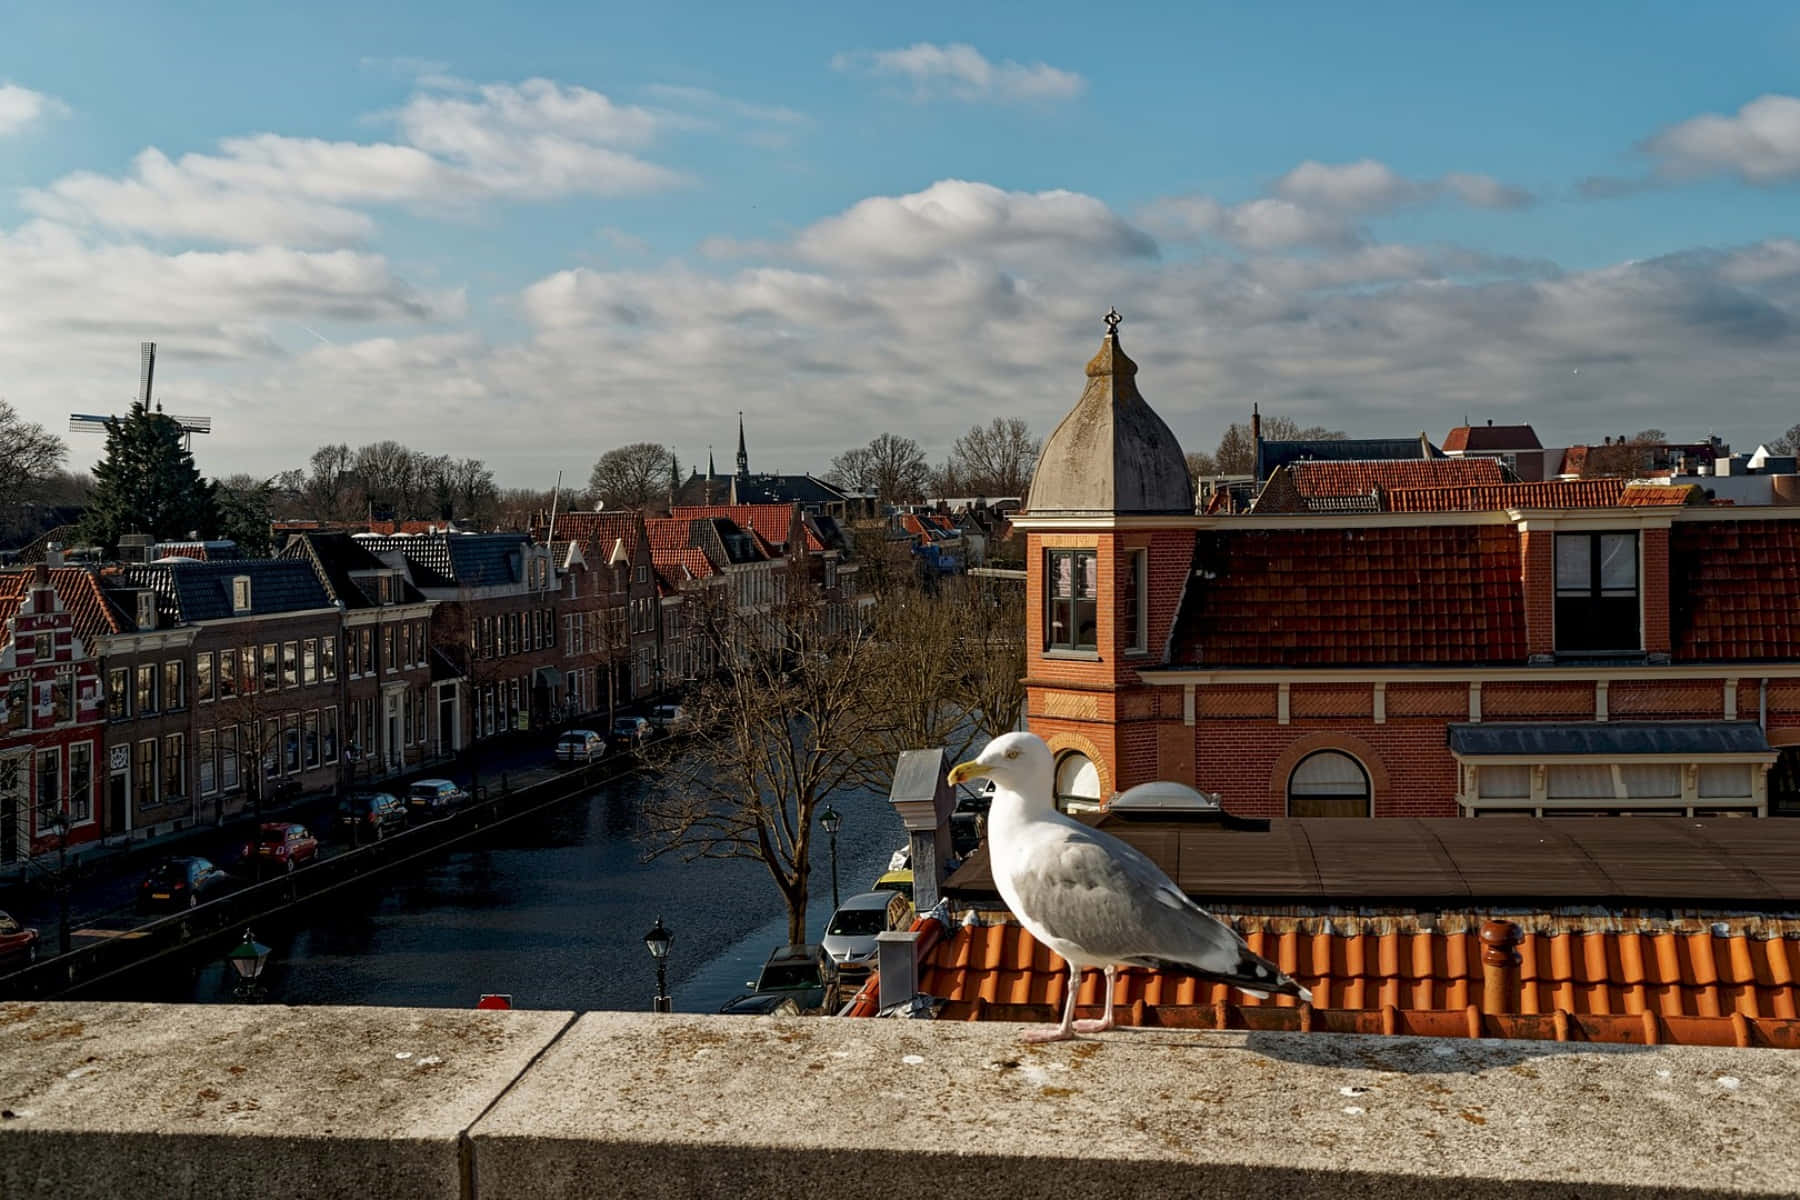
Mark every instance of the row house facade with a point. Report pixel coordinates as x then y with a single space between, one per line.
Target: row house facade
394 715
493 631
1561 648
226 689
52 711
609 607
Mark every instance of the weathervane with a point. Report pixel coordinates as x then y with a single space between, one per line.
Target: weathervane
1112 319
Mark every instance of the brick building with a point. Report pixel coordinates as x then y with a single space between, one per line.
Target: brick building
609 598
1547 648
52 712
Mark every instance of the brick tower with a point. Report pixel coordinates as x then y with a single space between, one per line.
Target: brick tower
1110 528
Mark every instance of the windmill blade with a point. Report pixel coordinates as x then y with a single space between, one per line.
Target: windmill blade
88 423
147 371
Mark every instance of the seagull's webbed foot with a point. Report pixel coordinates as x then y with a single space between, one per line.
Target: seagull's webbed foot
1054 1033
1106 1021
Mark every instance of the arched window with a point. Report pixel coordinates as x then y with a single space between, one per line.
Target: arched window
1328 783
1077 783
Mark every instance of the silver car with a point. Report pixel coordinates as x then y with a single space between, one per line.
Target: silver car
850 936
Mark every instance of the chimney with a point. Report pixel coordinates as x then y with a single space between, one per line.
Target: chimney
40 576
897 964
923 797
1490 421
1499 966
1255 424
53 554
135 547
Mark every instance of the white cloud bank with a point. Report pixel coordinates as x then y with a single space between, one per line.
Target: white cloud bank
21 108
1760 143
958 71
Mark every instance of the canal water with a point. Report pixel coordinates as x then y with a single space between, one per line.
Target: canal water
552 910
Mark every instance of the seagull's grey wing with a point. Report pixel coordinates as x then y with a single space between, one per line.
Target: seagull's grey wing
1091 889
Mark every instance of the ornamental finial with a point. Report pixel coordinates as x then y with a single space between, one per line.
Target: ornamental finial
1112 319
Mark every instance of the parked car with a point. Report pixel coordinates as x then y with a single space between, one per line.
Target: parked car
761 1004
628 733
805 973
580 745
900 881
370 816
181 883
280 846
433 798
18 943
669 718
850 934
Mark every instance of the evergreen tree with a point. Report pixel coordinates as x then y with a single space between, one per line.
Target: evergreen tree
147 483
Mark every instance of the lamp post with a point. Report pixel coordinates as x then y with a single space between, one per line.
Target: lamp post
247 959
658 941
829 821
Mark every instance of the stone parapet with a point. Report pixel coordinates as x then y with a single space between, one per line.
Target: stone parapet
146 1100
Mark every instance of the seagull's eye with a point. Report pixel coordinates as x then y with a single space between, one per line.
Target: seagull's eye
1013 753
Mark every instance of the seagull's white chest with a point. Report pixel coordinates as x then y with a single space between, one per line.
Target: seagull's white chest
1018 846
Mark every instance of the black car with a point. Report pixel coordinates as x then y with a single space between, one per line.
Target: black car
761 1004
181 883
370 816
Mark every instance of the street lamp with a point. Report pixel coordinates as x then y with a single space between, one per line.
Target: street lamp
829 820
658 941
247 958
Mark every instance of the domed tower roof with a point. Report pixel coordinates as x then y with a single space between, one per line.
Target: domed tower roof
1112 454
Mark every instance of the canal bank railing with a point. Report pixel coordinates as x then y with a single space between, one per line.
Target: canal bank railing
226 916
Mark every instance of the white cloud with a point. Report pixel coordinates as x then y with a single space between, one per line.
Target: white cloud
954 216
20 107
961 72
537 140
1760 143
1484 191
1359 187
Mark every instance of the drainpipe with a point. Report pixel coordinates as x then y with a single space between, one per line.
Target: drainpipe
1499 966
1762 704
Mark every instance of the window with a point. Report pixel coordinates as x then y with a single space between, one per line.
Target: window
368 651
309 661
1586 781
81 781
406 644
1135 592
227 676
309 739
62 698
228 758
1077 783
1328 784
329 736
174 765
146 689
1596 592
203 677
328 658
406 722
271 748
271 669
290 745
144 772
290 664
18 705
1722 780
174 692
549 629
240 594
643 573
118 694
49 785
388 661
1072 604
43 647
146 610
247 661
1504 783
206 744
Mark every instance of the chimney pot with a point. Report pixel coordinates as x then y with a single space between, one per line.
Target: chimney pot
1490 420
40 575
1499 965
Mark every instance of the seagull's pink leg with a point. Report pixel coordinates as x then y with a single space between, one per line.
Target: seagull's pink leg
1105 1022
1066 1030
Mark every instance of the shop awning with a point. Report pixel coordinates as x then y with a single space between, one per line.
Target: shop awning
1610 739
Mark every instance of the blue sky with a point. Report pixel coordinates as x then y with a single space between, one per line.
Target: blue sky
533 233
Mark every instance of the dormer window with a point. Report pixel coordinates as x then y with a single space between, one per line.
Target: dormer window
146 610
240 593
1597 592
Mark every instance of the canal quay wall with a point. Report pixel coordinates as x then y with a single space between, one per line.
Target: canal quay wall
107 1100
506 798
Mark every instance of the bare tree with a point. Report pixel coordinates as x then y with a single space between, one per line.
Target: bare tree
852 470
391 478
630 476
1200 465
893 466
330 492
1236 454
29 455
995 459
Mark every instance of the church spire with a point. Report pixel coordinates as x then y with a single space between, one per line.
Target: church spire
709 464
743 463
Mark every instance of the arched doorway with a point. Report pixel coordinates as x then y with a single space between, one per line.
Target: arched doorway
1328 783
1077 783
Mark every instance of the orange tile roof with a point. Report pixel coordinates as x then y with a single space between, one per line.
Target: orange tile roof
1734 587
772 522
1490 438
80 592
1609 985
1652 495
1320 479
596 530
1553 493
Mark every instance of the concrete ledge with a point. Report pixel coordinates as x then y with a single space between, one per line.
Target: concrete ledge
143 1101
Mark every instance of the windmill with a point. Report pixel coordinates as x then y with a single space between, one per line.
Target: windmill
89 423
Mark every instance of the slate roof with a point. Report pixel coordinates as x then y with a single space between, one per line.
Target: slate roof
190 591
1410 595
1270 455
1491 438
93 611
334 556
1734 590
444 560
1624 985
1611 738
781 489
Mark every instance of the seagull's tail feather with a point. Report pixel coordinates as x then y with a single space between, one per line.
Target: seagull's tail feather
1253 974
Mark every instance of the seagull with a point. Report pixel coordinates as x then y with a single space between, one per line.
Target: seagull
1091 898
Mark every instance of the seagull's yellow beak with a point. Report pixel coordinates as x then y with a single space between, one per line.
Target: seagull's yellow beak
965 771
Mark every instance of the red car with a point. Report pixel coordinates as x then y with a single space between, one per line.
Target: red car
281 846
18 943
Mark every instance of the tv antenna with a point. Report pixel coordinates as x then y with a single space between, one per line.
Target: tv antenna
91 423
